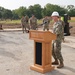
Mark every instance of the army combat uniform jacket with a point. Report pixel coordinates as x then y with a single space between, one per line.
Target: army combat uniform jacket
58 30
46 22
33 23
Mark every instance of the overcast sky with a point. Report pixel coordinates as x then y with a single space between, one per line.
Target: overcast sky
14 4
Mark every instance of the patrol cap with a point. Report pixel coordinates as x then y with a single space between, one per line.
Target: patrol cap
55 13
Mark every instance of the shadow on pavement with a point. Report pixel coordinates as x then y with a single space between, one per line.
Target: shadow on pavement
69 68
54 72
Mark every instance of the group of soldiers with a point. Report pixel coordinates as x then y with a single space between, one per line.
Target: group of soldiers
25 20
31 23
58 29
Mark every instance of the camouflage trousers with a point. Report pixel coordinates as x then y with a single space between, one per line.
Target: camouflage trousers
45 27
56 51
24 26
34 27
27 26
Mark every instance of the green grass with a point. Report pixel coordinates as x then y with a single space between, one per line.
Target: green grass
71 21
19 21
16 22
11 22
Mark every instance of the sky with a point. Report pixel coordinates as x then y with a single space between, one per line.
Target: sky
15 4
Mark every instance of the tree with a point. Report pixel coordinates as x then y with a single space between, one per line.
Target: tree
1 11
43 12
71 12
22 11
70 7
15 16
7 14
37 11
31 10
49 8
0 15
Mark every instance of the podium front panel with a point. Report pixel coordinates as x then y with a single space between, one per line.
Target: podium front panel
38 53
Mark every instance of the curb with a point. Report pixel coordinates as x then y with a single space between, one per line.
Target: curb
10 30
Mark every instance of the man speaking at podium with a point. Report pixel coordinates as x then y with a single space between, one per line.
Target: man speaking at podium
56 49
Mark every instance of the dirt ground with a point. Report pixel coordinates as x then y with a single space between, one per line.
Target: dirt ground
72 30
10 26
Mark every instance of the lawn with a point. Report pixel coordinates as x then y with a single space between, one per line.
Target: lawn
19 21
10 22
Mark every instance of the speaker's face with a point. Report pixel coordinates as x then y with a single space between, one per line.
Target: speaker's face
55 18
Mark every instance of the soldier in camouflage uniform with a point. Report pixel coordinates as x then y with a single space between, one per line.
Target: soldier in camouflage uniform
23 23
46 22
56 50
27 23
33 22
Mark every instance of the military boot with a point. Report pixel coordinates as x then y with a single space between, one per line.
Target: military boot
60 65
55 62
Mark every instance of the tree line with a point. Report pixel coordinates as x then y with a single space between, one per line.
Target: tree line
37 10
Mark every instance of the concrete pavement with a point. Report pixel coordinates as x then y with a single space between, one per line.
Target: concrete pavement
16 55
70 41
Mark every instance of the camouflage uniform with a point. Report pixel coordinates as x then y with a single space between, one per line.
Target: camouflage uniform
27 22
56 50
63 24
33 23
23 23
46 22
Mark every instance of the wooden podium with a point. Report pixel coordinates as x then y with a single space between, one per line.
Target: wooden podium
42 50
